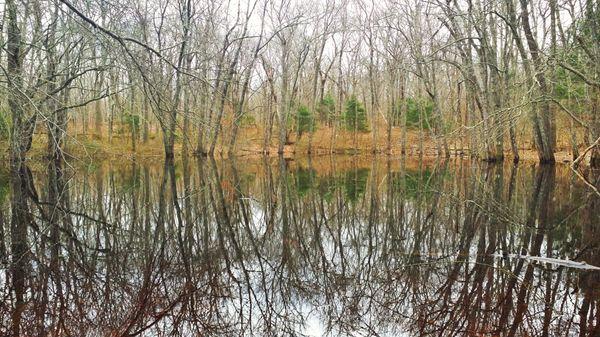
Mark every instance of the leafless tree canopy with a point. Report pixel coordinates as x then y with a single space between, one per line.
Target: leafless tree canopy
476 77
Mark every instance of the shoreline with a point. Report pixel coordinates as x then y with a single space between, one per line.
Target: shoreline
86 149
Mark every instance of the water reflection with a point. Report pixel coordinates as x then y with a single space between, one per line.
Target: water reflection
319 246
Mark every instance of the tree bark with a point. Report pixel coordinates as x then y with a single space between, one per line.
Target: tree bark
542 121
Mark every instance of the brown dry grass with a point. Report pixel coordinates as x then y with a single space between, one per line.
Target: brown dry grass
250 144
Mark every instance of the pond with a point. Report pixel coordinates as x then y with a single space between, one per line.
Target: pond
340 246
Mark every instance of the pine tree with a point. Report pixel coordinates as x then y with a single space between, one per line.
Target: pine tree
305 120
355 116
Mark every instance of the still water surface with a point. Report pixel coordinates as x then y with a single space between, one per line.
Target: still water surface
335 246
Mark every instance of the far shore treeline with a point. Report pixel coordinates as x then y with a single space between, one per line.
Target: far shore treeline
486 79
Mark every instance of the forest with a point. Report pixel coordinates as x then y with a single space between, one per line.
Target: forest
300 168
486 79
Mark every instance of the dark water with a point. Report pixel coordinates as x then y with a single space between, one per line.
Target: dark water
326 246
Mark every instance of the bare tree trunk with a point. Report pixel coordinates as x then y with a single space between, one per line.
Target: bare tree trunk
133 112
169 132
340 109
115 104
315 81
593 18
223 94
403 113
19 144
186 107
268 132
283 106
373 93
242 98
202 118
98 83
542 117
392 112
595 126
22 124
272 100
55 120
573 139
510 62
145 122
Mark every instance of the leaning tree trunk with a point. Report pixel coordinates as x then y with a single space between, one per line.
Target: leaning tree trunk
542 122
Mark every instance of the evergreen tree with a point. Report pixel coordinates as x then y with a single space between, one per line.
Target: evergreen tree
326 109
418 111
355 116
305 120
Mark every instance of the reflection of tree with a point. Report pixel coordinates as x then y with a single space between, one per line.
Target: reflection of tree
21 220
198 247
589 281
